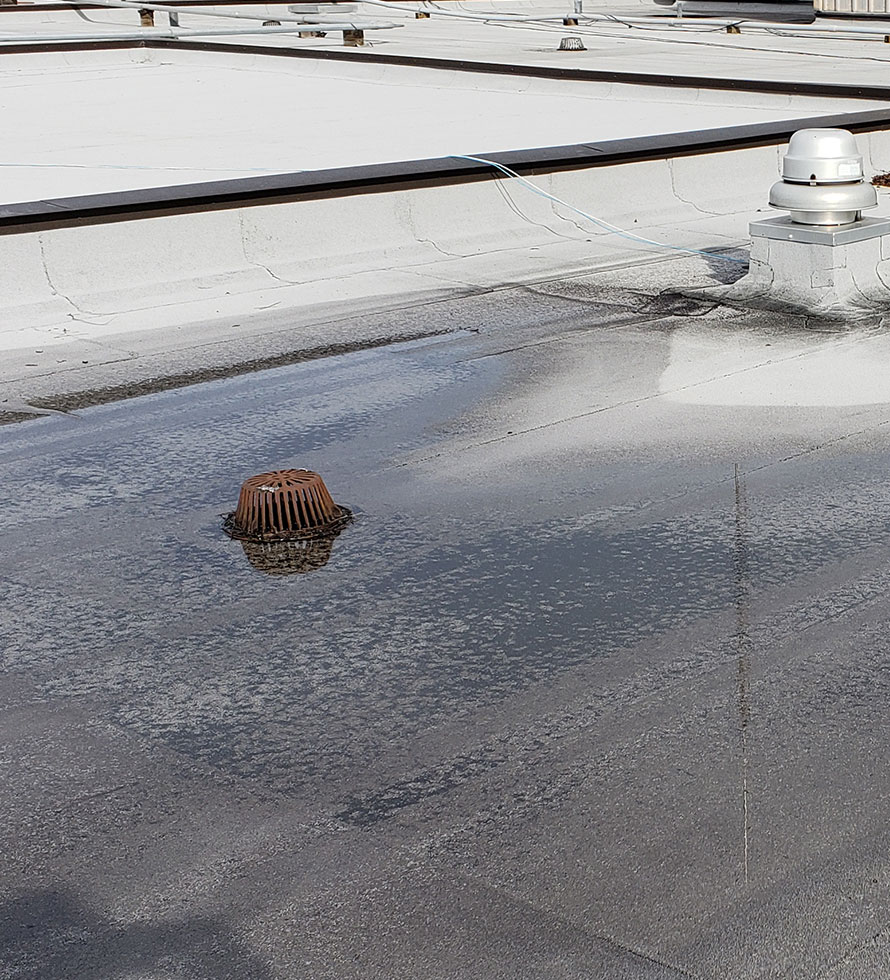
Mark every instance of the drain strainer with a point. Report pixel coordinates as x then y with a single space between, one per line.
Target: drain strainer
572 44
284 505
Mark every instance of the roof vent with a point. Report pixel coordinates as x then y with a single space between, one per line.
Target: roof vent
822 179
285 505
571 44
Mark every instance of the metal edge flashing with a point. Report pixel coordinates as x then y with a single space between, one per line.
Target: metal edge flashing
871 92
403 175
708 83
46 46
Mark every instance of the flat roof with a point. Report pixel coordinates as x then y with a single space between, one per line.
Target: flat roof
691 48
595 686
105 121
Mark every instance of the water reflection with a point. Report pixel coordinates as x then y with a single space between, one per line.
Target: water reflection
289 557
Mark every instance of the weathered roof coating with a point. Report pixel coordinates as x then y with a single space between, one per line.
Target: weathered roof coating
594 686
109 121
594 683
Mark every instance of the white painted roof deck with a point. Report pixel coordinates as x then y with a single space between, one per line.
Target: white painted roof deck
94 122
694 49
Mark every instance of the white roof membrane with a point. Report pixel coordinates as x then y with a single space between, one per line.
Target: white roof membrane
102 122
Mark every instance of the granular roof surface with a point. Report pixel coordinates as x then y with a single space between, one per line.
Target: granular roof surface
595 685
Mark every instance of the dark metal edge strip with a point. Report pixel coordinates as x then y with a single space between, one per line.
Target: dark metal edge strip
831 90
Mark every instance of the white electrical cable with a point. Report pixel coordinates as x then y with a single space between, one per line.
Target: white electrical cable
649 25
488 18
284 18
178 32
196 11
298 22
682 24
665 24
648 34
607 226
613 229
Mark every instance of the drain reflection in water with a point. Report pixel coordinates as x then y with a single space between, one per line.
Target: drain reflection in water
289 557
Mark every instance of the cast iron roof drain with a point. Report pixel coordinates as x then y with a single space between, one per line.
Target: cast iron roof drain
285 505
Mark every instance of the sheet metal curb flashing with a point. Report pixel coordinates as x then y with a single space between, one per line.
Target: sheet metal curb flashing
783 229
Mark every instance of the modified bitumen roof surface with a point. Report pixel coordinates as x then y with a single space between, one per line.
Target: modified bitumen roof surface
594 685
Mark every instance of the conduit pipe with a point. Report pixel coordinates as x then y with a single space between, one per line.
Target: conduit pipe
298 23
652 23
175 32
686 24
683 23
489 18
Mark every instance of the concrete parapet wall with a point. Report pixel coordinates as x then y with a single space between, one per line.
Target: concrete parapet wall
29 298
133 264
316 239
51 276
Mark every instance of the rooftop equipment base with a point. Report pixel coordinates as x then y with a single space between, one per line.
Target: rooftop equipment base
839 272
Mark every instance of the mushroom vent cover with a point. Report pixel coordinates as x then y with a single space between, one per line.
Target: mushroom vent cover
284 505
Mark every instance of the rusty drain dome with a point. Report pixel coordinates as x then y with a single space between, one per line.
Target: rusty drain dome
285 505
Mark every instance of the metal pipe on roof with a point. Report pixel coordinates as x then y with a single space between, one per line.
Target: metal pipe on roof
688 25
225 14
652 23
495 18
174 33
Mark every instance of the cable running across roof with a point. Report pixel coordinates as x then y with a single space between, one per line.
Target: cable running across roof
666 24
299 22
180 32
613 229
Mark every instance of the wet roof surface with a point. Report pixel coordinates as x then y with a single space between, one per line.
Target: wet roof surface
595 685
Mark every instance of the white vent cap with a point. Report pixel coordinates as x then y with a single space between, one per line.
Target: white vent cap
822 156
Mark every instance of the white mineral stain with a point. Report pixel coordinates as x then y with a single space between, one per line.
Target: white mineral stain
710 365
